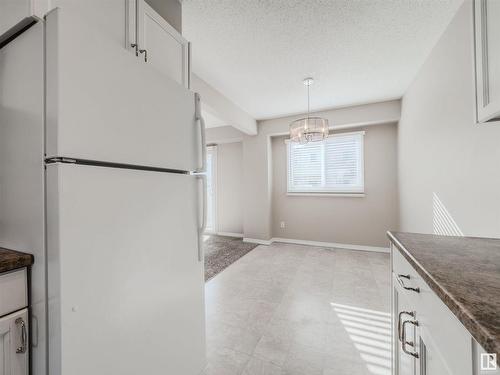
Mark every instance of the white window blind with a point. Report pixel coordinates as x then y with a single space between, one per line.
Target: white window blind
334 165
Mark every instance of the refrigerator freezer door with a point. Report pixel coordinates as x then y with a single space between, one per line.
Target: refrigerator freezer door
106 104
126 289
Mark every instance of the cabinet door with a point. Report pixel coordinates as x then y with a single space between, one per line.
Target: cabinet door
487 36
161 45
404 364
431 362
13 344
131 15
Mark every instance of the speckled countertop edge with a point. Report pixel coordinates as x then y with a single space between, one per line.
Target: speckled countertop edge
11 260
482 335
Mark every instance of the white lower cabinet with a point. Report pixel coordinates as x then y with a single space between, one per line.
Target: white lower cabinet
14 344
430 360
403 363
427 338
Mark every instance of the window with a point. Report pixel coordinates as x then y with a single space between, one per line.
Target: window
334 165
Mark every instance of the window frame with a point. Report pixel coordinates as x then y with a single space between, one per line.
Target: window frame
324 191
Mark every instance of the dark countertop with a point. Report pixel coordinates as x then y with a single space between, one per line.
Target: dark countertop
465 274
10 260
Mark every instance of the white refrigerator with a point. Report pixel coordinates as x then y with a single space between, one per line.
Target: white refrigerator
101 177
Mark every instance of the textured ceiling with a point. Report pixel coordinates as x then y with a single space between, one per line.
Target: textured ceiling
256 52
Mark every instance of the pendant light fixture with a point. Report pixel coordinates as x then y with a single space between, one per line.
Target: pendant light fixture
308 129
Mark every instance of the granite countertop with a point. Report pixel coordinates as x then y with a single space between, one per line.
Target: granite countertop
10 260
465 273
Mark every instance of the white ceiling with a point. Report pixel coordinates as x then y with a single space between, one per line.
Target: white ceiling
256 52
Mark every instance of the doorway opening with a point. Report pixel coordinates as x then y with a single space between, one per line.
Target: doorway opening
211 189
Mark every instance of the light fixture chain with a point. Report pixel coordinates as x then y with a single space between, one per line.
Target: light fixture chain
309 129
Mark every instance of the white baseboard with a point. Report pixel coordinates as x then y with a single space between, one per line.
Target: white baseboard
332 244
258 241
230 234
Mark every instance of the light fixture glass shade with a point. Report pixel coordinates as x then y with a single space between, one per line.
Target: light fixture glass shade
309 129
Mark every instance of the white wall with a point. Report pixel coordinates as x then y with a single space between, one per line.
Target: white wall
448 165
107 16
21 167
217 106
170 10
349 220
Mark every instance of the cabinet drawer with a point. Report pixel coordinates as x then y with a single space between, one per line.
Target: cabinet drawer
13 291
409 280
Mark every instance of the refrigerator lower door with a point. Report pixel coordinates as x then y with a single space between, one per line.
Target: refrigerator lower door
126 289
106 104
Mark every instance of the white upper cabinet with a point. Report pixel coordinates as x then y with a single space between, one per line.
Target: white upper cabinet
155 41
487 54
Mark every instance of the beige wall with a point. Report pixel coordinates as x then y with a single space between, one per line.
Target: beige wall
223 134
257 184
229 180
448 165
258 166
348 220
257 158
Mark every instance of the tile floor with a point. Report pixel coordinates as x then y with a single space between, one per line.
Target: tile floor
300 310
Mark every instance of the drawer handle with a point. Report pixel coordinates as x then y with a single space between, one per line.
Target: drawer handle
401 282
404 342
401 313
22 349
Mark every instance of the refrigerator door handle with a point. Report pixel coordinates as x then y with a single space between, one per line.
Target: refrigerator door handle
201 122
203 226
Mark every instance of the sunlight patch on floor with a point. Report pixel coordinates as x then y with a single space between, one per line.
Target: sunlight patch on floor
370 331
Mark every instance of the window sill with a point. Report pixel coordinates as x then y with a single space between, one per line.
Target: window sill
347 195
